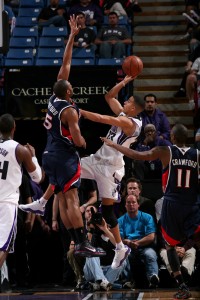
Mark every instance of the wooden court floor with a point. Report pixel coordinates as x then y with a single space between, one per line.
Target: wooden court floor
157 294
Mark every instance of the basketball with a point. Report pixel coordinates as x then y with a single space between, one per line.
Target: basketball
132 65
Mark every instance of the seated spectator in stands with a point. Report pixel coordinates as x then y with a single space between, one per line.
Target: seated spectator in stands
133 186
138 231
191 82
98 269
113 39
153 115
197 139
116 6
149 169
121 7
93 13
10 13
88 193
53 14
86 36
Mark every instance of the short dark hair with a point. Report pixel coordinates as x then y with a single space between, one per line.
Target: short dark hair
131 179
7 123
139 102
60 88
150 95
79 13
113 13
180 133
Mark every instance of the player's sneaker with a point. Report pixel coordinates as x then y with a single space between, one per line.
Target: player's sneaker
154 281
120 256
105 285
37 207
183 292
85 249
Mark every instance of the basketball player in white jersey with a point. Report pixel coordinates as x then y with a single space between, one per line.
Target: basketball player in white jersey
12 157
107 166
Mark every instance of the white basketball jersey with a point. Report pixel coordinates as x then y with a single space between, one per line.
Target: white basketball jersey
10 172
110 155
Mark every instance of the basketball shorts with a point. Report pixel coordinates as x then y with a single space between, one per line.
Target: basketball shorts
8 226
108 177
179 221
62 169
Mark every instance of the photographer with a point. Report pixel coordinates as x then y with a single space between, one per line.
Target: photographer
98 269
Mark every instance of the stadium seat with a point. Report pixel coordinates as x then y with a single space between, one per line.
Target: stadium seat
22 53
110 61
61 2
9 62
83 53
51 42
50 52
54 31
26 21
82 61
48 62
29 11
31 3
22 42
25 32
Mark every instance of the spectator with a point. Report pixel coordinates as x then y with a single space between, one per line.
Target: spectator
138 231
113 39
149 169
114 6
93 13
197 139
153 115
133 186
98 270
86 36
53 14
191 82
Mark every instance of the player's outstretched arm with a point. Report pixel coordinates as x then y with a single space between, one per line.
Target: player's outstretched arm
155 153
112 94
67 57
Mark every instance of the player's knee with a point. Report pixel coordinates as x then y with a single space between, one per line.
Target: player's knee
173 259
109 215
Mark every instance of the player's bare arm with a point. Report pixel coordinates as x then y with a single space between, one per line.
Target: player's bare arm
111 95
161 152
69 117
25 156
66 64
121 121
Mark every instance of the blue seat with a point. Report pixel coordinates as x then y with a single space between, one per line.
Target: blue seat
31 3
83 53
51 42
48 62
25 32
26 21
61 2
29 11
110 61
22 42
22 53
82 61
54 31
50 52
9 62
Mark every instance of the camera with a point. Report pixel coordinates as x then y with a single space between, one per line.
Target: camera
96 218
